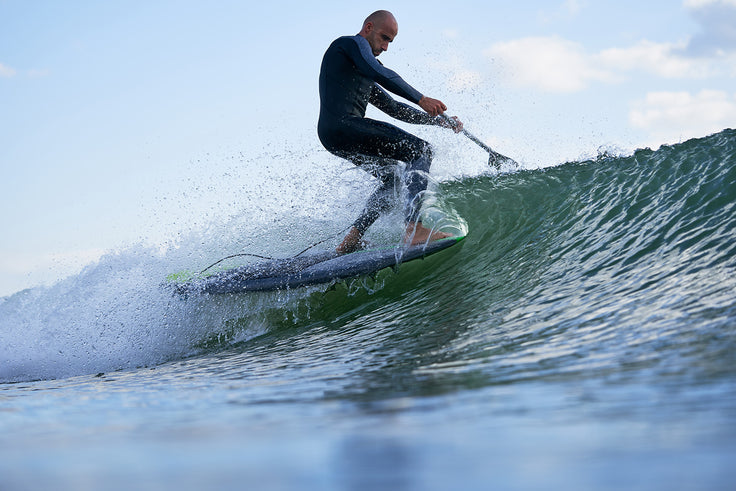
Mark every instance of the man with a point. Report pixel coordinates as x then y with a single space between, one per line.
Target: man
351 77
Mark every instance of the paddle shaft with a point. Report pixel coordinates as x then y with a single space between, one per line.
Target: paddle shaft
494 156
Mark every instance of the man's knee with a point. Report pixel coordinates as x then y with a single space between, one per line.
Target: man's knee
423 159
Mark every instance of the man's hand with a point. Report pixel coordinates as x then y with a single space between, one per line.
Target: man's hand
453 123
433 107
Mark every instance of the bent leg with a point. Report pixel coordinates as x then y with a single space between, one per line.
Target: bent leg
378 203
373 143
375 146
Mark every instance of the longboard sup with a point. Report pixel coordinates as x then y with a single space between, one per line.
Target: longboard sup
311 269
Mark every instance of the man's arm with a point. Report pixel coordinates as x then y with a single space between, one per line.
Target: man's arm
399 110
366 63
406 113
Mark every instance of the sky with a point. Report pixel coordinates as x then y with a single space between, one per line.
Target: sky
125 122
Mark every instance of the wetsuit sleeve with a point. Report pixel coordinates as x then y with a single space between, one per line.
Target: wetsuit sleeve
399 110
369 66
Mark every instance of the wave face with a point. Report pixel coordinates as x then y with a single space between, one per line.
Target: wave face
607 262
606 265
651 234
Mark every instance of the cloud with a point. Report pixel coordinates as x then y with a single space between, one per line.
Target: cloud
704 3
554 64
551 64
6 71
662 59
671 116
717 21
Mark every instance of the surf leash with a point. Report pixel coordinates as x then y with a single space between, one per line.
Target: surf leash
495 159
323 240
242 254
247 254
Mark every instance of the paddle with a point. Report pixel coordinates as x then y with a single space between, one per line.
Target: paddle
495 159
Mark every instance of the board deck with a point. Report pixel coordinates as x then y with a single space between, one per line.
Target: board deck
309 269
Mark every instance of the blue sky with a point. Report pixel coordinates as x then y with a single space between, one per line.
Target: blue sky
124 122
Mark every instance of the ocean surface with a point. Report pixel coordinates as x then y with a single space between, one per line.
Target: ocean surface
582 336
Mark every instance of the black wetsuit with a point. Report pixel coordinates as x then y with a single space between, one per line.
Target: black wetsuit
349 79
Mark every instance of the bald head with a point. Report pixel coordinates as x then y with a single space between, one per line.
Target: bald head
380 17
380 28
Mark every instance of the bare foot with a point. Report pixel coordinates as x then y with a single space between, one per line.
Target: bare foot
416 234
351 242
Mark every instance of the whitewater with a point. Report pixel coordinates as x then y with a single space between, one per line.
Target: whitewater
581 336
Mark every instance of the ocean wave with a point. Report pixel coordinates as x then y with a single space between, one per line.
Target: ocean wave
559 262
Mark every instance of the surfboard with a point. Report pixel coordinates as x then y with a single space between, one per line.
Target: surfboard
308 269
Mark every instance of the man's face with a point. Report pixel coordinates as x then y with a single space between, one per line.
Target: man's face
379 36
